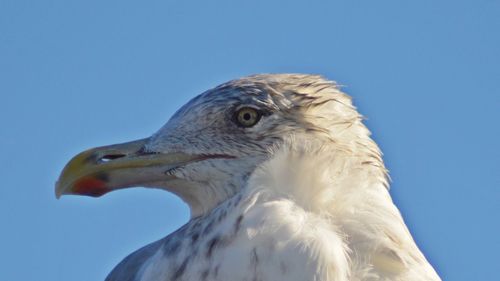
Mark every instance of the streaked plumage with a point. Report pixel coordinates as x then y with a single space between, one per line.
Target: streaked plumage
301 195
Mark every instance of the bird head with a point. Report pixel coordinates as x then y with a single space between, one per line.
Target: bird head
211 145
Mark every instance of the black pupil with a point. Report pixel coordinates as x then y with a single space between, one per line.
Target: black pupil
247 116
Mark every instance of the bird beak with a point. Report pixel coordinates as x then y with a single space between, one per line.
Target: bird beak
103 169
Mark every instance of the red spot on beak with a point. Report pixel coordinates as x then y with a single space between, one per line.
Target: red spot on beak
91 187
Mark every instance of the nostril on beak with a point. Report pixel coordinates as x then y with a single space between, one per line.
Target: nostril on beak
110 157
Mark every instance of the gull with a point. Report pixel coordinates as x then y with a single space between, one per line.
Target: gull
283 182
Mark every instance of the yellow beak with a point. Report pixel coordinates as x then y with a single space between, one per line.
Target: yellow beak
97 171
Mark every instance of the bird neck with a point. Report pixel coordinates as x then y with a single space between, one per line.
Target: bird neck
347 187
204 196
316 174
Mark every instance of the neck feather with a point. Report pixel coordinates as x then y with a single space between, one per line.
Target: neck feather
347 185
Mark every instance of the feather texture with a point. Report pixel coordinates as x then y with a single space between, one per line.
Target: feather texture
306 198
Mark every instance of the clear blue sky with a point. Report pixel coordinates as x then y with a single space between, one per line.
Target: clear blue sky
78 74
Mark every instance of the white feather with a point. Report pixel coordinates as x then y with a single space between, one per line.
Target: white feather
314 206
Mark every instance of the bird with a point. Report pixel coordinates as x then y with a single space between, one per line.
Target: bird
283 182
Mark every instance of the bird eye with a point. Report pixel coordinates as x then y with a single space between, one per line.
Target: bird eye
247 117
